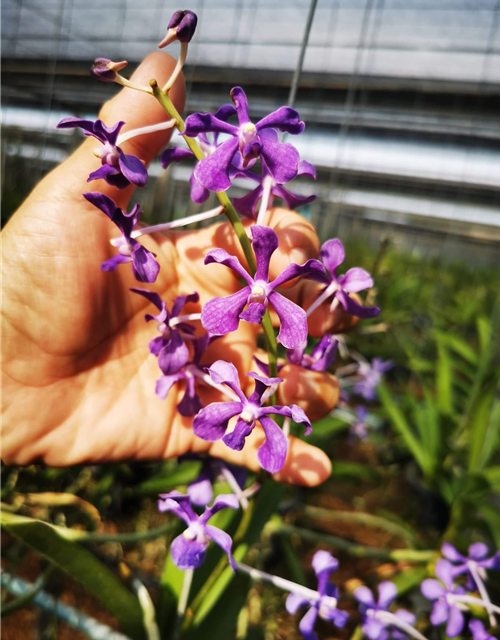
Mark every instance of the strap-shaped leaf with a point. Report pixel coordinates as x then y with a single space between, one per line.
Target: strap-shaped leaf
81 565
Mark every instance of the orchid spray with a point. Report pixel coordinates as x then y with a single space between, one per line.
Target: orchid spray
252 151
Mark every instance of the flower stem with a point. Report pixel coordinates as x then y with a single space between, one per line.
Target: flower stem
482 590
178 67
180 222
452 598
330 290
277 581
183 600
161 126
389 618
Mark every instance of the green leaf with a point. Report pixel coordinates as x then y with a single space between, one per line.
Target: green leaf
444 381
81 565
492 475
408 579
171 581
183 474
401 425
459 346
491 516
484 424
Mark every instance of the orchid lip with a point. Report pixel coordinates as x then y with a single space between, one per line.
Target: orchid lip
247 416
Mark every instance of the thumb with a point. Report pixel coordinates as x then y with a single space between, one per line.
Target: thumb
136 109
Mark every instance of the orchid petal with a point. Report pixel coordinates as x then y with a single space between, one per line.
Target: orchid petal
272 454
211 422
221 315
293 321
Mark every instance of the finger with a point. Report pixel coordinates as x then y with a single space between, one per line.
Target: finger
317 392
305 464
136 109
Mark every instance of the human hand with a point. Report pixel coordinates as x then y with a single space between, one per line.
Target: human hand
78 377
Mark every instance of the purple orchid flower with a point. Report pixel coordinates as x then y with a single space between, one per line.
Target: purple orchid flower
198 192
247 205
332 255
189 549
377 623
444 609
321 358
282 159
118 169
474 565
326 604
476 627
211 423
170 348
144 265
371 377
190 403
222 315
200 490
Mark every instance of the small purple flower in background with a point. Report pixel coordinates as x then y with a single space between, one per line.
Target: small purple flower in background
444 609
359 428
105 69
189 549
181 26
144 265
247 205
282 159
326 604
321 357
332 255
378 622
198 192
211 422
170 348
200 490
476 627
118 169
222 315
474 565
371 377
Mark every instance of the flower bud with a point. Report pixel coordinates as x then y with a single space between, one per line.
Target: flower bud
181 27
106 70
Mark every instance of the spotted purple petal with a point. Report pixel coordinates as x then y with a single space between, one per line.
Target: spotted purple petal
133 169
355 280
293 321
206 122
224 541
223 372
295 270
236 439
190 403
264 244
165 383
114 262
213 171
223 257
355 309
222 315
144 265
365 596
432 589
294 602
173 355
174 154
272 453
386 593
306 625
281 158
332 254
455 622
211 422
283 119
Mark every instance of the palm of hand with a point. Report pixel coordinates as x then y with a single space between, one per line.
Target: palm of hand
78 377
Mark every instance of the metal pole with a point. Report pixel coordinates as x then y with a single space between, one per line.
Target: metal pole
298 69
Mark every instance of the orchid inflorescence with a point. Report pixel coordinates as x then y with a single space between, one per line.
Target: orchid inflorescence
180 347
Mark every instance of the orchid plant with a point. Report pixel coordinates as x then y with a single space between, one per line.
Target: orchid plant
245 150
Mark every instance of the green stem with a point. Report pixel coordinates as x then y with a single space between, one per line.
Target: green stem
362 518
354 549
233 217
